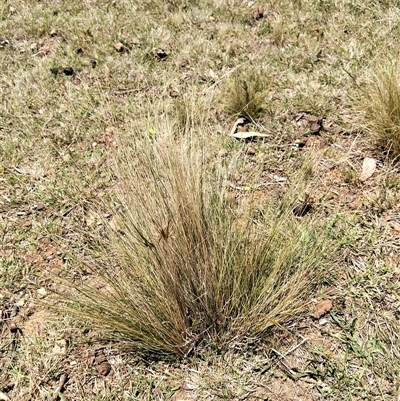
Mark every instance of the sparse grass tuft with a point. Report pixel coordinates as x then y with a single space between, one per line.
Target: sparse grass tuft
244 94
189 271
381 104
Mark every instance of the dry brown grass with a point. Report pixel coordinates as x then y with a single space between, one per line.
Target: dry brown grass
189 272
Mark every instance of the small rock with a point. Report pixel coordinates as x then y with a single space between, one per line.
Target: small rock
119 47
322 307
368 168
251 151
4 397
68 71
315 128
40 207
298 144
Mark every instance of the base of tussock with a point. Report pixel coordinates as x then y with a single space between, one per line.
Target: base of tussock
187 270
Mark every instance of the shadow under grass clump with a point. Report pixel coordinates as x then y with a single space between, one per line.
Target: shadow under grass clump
189 270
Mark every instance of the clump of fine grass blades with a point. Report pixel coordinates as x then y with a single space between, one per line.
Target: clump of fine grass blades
189 270
244 95
381 105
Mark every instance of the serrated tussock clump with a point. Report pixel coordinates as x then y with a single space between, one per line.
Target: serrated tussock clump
244 94
380 101
189 271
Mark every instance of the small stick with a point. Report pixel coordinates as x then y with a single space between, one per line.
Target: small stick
57 391
281 357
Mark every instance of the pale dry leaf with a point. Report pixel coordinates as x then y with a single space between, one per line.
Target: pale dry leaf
60 347
322 307
368 168
183 395
249 135
41 292
239 121
188 386
35 172
4 397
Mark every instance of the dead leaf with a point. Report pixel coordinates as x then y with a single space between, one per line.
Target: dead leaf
35 172
322 307
239 121
41 292
104 368
368 168
102 365
249 135
4 397
278 179
189 386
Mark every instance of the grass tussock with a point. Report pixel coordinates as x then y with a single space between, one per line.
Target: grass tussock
245 93
381 104
188 272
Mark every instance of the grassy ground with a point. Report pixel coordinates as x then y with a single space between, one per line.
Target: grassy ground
75 75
